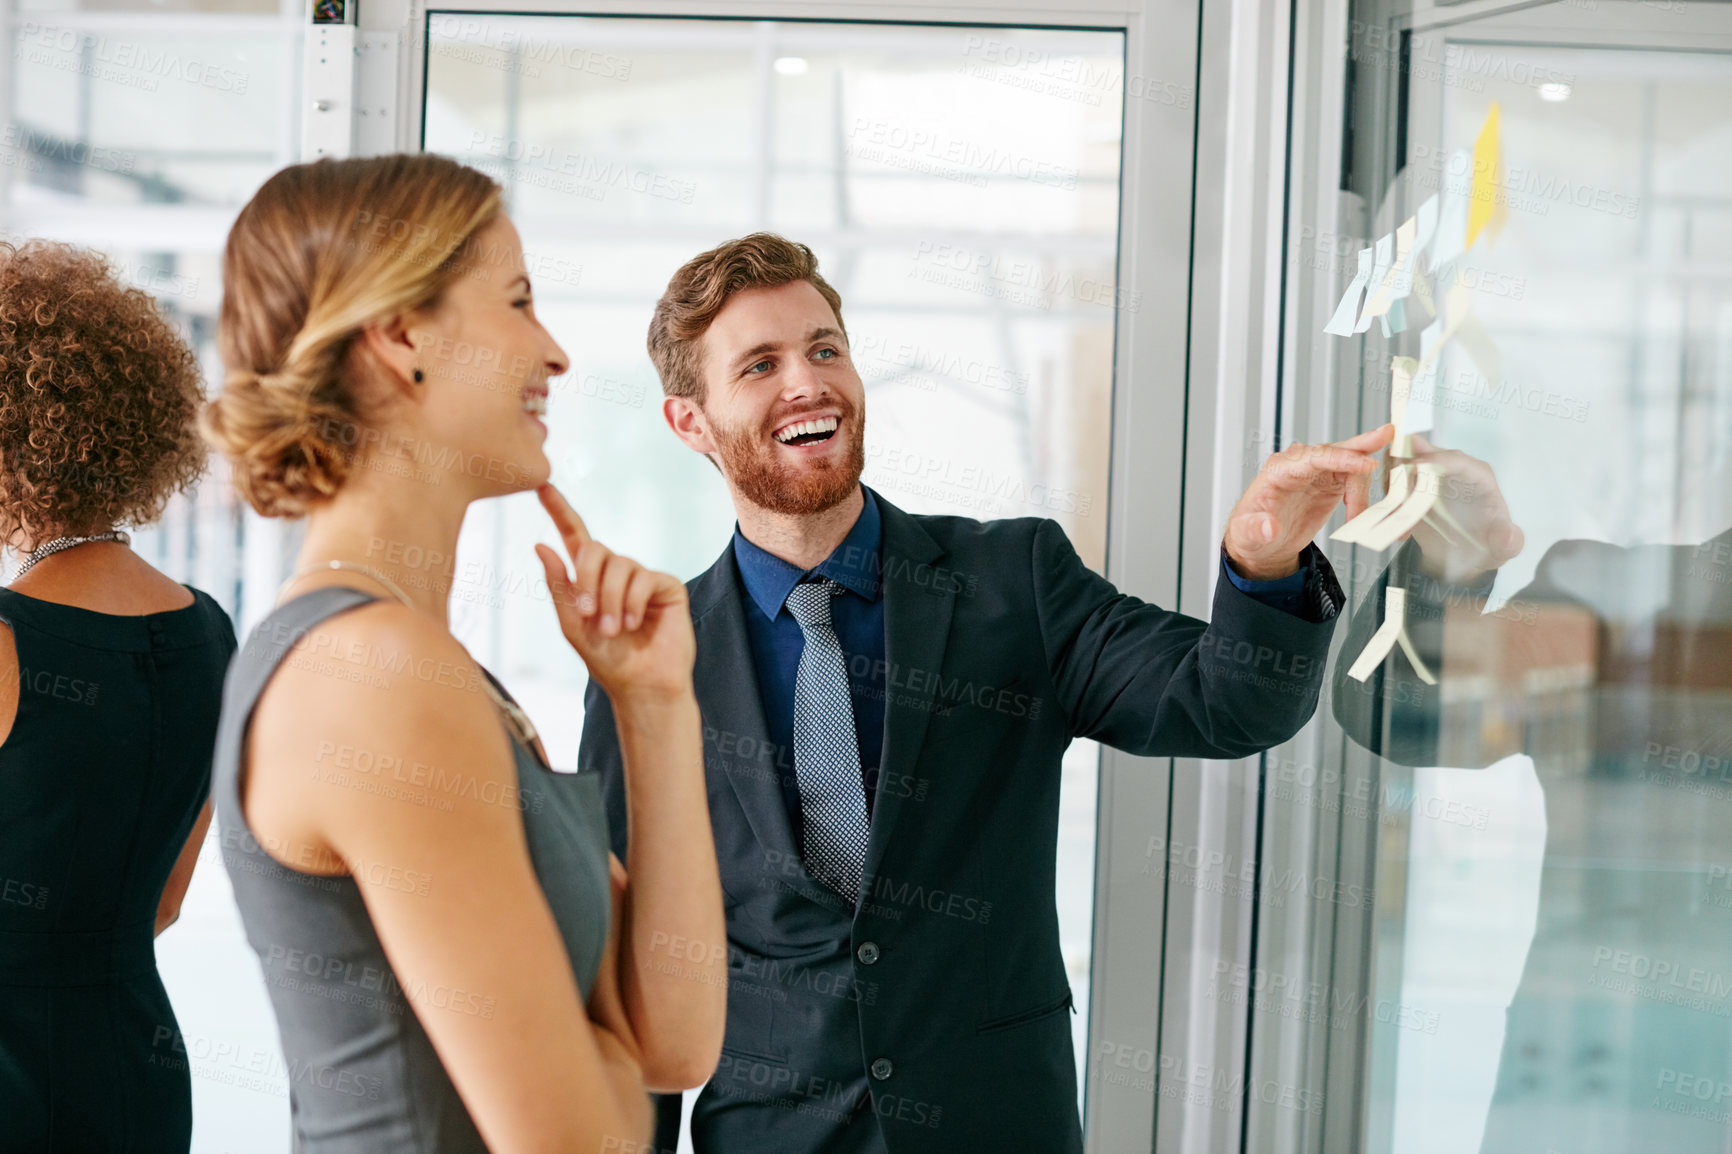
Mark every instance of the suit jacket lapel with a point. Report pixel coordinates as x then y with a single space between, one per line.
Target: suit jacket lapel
916 627
726 680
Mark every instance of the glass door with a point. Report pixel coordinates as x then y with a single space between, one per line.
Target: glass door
968 219
1520 790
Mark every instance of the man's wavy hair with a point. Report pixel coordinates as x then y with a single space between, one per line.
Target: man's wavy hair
705 284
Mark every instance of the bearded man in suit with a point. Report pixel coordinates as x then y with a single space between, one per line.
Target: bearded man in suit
886 698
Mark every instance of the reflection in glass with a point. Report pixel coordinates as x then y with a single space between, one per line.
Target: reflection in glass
1554 922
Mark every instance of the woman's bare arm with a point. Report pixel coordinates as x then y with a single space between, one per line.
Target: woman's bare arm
446 877
632 627
674 959
179 878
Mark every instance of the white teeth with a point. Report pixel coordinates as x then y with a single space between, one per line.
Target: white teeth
803 428
535 404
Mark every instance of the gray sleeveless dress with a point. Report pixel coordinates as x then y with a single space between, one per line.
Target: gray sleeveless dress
363 1076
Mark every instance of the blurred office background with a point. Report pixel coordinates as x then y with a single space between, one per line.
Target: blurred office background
939 195
962 187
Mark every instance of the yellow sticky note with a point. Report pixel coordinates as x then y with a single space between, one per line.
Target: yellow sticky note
1486 208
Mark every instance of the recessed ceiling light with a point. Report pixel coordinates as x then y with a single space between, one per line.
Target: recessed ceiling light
792 65
1554 92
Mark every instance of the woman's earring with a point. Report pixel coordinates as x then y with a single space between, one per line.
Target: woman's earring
419 376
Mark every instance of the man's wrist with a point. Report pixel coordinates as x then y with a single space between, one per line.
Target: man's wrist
1310 592
1266 571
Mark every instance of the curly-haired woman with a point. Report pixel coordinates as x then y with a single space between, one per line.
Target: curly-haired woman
110 685
456 961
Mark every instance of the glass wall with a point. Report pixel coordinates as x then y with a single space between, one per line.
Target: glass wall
961 197
1526 760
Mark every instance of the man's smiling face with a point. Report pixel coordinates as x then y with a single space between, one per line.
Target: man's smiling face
783 411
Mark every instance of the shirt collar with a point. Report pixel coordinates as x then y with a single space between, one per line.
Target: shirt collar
853 565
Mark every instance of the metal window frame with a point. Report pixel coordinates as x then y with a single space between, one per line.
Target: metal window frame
1235 418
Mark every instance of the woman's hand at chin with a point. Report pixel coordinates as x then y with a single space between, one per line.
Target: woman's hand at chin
631 625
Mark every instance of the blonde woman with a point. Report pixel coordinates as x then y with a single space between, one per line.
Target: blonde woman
455 960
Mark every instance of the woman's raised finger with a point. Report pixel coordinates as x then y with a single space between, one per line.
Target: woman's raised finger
587 564
637 597
572 531
616 576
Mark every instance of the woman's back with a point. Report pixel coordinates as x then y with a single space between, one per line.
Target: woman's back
102 777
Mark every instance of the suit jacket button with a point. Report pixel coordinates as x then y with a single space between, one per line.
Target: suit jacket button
882 1069
868 952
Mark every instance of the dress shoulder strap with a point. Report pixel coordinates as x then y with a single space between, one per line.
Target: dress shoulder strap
269 642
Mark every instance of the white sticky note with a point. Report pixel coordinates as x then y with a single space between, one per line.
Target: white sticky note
1390 289
1395 320
1354 530
1456 307
1422 294
1406 255
1385 257
1427 219
1341 324
1422 400
1413 655
1376 649
1428 481
1401 397
1451 239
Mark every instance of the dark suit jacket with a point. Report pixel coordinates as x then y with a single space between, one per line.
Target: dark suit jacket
936 1017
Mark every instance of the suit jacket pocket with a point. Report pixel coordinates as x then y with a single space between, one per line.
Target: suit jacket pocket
750 1030
1024 1017
971 712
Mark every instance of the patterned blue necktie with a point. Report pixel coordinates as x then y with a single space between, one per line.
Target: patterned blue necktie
826 749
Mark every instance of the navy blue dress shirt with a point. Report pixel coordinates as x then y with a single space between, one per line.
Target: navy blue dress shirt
1287 594
858 617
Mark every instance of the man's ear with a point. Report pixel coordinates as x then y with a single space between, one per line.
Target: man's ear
687 421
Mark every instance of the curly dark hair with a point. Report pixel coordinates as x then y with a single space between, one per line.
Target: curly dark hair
99 397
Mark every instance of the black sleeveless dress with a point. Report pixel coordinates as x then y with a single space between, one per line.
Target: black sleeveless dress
101 780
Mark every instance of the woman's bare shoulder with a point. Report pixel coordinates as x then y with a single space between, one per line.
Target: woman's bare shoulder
370 717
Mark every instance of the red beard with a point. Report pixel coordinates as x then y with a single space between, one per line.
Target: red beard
749 460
